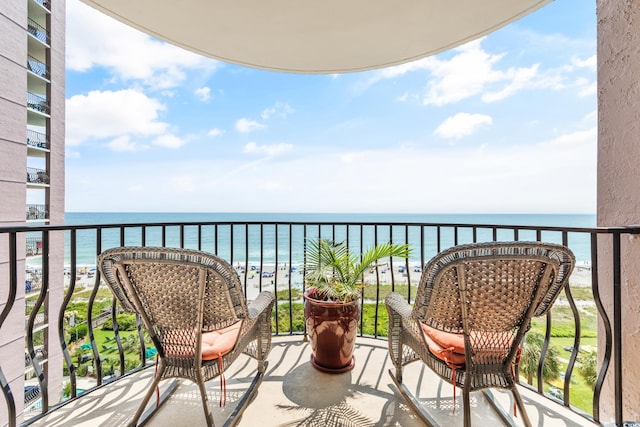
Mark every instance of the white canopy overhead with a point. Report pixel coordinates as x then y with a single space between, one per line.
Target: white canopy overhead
317 36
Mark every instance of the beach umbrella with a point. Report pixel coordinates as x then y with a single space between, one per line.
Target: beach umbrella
328 36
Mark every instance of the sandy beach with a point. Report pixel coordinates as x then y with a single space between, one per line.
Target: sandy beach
272 278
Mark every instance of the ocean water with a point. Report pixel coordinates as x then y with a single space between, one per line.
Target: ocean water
284 244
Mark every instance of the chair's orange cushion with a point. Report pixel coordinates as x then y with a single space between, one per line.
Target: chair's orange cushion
445 345
445 339
216 344
450 347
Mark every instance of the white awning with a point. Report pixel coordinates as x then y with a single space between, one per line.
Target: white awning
317 36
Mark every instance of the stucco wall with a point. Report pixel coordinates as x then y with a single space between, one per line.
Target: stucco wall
619 182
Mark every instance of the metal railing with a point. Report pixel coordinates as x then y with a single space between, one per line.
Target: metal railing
37 67
38 103
37 176
34 246
37 139
34 212
270 256
44 3
38 31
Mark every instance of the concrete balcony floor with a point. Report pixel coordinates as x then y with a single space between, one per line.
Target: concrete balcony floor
293 393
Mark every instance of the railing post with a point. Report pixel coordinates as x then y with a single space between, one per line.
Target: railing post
617 330
11 298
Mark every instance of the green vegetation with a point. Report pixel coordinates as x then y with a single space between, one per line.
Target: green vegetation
371 291
530 357
126 322
333 273
103 293
291 320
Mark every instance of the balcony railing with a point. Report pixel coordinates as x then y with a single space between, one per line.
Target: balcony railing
38 103
37 67
35 212
270 256
37 139
38 31
37 176
44 3
34 246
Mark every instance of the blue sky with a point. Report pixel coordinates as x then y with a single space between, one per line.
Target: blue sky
503 124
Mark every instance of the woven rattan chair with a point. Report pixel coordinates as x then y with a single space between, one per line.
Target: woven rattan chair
191 304
473 306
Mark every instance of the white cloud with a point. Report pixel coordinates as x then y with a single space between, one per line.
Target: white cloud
124 143
111 114
587 88
182 184
520 176
215 132
276 186
519 79
169 141
592 117
246 125
466 74
136 188
96 40
268 150
203 93
574 140
472 71
461 125
590 63
403 98
280 109
348 158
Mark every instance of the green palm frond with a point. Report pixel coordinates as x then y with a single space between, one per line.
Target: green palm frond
337 274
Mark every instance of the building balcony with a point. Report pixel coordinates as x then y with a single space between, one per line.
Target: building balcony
37 176
44 3
98 384
36 212
38 31
37 67
37 140
38 103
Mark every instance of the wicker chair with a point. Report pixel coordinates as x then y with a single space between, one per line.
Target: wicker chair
192 305
473 306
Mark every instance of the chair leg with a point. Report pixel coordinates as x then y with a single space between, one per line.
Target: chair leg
147 397
466 401
205 401
520 403
261 366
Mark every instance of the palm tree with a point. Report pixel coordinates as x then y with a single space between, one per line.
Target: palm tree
530 356
588 367
335 274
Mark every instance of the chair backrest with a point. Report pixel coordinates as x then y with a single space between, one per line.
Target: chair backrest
174 290
495 286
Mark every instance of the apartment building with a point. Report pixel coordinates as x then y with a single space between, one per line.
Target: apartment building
32 122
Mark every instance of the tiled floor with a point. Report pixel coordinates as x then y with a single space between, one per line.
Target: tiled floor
293 393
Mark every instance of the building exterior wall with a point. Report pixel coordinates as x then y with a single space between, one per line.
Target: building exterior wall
619 183
14 154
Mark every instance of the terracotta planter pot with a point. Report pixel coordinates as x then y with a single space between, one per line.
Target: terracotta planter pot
332 328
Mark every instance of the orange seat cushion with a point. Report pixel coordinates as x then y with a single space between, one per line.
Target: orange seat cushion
445 345
218 343
450 347
215 344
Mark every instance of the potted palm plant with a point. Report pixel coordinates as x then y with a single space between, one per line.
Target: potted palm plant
335 277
